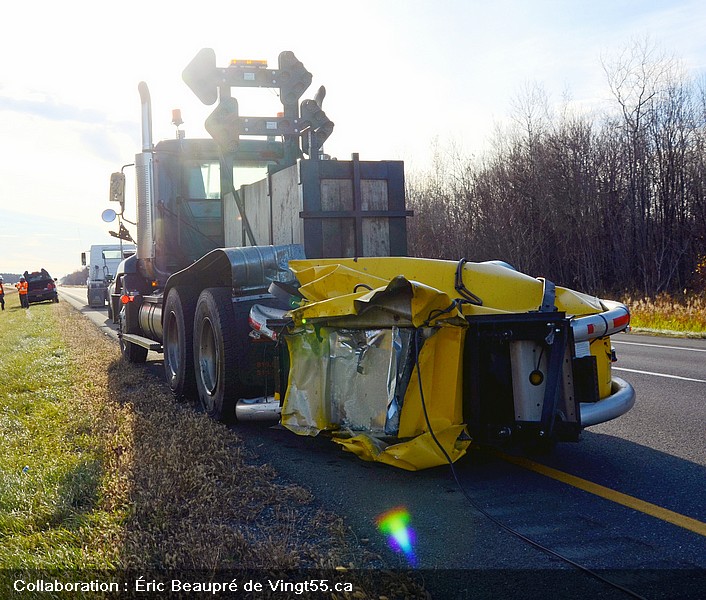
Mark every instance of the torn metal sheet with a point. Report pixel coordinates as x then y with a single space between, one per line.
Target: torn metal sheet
421 452
369 383
368 386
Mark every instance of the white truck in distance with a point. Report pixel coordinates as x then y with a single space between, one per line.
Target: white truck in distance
102 262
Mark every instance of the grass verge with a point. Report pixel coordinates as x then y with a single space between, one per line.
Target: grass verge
52 452
101 469
686 314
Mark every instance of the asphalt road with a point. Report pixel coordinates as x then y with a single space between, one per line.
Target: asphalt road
627 502
669 375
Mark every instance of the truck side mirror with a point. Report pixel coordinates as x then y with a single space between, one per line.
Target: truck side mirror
117 189
83 259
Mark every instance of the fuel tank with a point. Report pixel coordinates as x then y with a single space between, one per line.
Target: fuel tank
150 317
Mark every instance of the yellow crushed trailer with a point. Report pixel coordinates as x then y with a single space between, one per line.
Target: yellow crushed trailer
407 360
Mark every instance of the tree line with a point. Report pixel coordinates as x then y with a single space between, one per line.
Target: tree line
76 278
609 202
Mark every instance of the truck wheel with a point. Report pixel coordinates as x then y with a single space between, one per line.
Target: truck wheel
177 341
214 354
131 352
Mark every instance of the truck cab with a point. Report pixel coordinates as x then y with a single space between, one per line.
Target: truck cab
219 219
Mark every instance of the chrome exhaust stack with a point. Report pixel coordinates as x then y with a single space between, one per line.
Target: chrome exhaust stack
146 116
144 172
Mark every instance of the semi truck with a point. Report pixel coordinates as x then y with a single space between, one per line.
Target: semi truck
291 296
102 262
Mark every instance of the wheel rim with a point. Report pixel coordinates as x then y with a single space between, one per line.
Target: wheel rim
172 351
208 357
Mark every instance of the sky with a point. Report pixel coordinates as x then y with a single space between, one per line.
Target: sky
400 75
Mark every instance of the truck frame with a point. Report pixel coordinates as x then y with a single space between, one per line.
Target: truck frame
226 283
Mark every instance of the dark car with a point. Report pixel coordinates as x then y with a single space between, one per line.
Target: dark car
40 286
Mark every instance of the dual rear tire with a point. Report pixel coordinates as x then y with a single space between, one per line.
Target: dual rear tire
215 354
198 357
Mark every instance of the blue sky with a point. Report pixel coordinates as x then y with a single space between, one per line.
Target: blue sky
399 74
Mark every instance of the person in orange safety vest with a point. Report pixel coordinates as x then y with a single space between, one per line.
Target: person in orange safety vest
22 289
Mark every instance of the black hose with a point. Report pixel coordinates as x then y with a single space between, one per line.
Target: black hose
484 512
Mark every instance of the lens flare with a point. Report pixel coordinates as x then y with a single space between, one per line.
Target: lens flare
395 524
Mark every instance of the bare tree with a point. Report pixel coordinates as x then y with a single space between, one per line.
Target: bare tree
611 203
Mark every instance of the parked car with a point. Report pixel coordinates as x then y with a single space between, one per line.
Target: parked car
41 287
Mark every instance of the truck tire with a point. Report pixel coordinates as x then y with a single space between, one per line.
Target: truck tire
215 356
131 352
177 342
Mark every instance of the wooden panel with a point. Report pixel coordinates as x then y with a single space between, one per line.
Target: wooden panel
338 237
376 231
373 194
315 187
232 226
336 194
257 210
286 192
338 234
376 236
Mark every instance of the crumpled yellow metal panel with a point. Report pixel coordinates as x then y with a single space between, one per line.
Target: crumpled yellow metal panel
442 384
601 349
319 282
500 288
421 452
305 410
402 292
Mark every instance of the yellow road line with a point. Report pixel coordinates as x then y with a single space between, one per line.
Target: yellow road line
618 497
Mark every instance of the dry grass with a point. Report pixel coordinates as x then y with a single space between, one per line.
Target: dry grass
685 314
177 491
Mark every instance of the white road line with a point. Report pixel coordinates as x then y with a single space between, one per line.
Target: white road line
660 346
659 374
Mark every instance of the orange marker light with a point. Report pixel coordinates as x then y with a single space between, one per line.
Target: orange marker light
248 62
